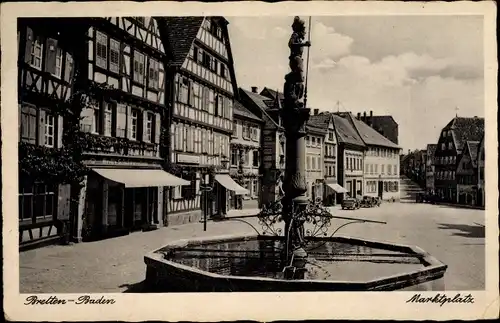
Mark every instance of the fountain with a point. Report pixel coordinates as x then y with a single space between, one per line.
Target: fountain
300 255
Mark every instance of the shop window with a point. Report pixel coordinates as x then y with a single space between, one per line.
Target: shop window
36 202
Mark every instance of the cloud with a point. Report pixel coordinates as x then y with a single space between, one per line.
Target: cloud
420 86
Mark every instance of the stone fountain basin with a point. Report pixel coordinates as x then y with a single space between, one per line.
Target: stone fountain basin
187 266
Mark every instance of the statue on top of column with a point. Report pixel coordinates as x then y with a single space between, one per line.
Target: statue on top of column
294 81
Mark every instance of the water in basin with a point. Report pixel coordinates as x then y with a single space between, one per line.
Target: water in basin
327 260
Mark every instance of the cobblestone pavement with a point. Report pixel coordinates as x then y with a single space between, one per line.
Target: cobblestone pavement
454 236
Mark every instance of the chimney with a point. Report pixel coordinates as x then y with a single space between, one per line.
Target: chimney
371 114
255 89
359 116
316 112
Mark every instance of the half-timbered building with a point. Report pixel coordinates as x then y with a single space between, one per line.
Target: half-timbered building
45 78
272 142
246 157
124 192
201 120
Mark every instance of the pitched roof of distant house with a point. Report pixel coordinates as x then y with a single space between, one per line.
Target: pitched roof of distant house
271 93
181 33
383 120
319 120
346 132
369 135
466 129
473 147
240 110
258 100
431 149
318 130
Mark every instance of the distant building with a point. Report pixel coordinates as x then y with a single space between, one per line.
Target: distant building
481 174
246 156
351 150
381 163
467 180
324 121
385 125
450 146
272 142
315 161
429 167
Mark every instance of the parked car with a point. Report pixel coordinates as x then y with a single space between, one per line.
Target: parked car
350 203
367 201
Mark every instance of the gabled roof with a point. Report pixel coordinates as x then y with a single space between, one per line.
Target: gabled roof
241 111
317 130
272 93
319 120
346 132
181 33
472 147
379 120
258 100
369 135
466 129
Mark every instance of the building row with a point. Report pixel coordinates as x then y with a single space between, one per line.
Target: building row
453 168
134 123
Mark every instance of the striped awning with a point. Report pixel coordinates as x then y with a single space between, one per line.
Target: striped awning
141 177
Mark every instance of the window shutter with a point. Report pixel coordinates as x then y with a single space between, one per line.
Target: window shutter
29 44
129 122
68 69
157 129
59 131
50 58
41 127
114 118
143 119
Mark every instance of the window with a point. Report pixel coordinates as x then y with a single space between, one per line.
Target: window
58 63
308 162
114 56
108 119
134 118
28 124
389 169
313 163
382 170
49 130
223 71
205 61
246 156
330 135
255 159
443 146
37 53
197 95
149 127
386 188
36 202
234 157
246 131
183 90
121 120
450 145
376 168
313 141
139 67
101 50
153 75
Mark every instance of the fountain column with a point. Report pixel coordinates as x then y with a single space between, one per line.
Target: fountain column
295 116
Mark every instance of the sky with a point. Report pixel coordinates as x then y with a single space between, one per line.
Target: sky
422 70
